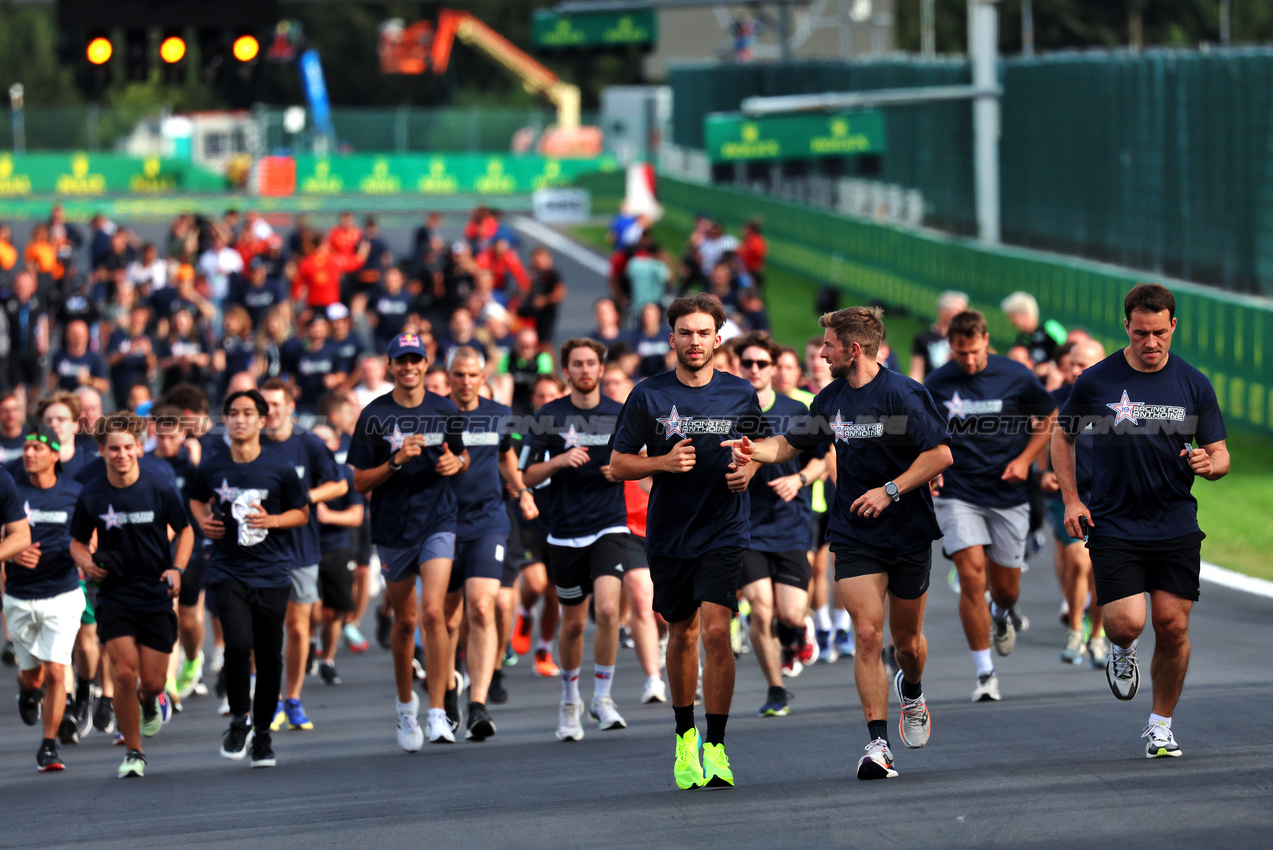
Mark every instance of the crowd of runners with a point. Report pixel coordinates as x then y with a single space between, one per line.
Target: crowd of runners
222 458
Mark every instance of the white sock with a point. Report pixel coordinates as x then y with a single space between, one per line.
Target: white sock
1123 650
523 612
843 622
1158 718
437 712
545 645
981 657
998 613
604 678
824 618
570 685
405 706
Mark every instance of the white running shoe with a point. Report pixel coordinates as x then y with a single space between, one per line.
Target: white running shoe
603 711
915 723
655 690
1074 649
1122 671
569 727
224 708
878 761
218 660
1098 651
1020 622
663 652
1161 743
438 728
410 735
1003 635
987 689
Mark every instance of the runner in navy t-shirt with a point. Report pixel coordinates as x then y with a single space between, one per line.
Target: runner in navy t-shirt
1149 408
250 503
339 520
406 447
42 597
776 570
131 513
587 529
1000 419
483 527
316 468
890 443
697 526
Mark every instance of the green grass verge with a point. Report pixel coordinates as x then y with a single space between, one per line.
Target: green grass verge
1234 512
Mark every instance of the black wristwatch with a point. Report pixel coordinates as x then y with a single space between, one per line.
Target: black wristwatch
393 466
803 479
890 490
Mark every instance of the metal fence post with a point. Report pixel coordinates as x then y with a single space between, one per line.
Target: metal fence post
92 128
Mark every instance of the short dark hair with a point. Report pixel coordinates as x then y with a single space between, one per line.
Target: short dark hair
759 339
550 378
969 323
168 419
256 397
863 325
581 342
119 423
187 397
1149 298
330 401
701 302
277 384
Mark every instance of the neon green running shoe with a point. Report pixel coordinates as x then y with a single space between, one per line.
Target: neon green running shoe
134 765
189 675
688 769
716 767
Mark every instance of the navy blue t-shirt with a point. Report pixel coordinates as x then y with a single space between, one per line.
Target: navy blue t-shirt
314 465
391 314
1142 421
49 513
257 300
988 415
219 481
877 430
653 350
132 521
131 369
11 448
1082 449
308 367
333 537
67 368
693 512
778 526
479 492
92 472
415 502
348 352
581 502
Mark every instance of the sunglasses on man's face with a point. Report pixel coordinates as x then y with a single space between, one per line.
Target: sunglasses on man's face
758 364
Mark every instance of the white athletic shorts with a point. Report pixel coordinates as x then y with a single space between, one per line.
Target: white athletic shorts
1002 530
44 629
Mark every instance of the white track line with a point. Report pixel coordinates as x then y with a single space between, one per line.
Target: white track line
1237 581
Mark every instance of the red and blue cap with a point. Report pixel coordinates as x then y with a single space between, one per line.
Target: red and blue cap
407 344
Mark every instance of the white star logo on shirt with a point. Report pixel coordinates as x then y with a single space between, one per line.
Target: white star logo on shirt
955 407
841 428
225 492
26 506
571 438
674 424
110 518
396 439
1126 410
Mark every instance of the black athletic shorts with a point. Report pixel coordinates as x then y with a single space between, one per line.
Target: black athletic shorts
536 547
681 584
1125 568
908 572
336 580
514 550
479 558
636 553
818 530
192 578
155 630
789 568
573 570
360 542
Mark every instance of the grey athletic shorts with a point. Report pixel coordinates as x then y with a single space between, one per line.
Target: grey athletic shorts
304 585
1001 530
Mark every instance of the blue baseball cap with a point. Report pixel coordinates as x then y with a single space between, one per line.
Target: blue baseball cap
407 344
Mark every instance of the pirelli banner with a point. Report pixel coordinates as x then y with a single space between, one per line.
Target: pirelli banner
435 174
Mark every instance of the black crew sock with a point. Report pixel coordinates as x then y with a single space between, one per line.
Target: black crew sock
451 702
684 718
473 705
877 729
777 693
911 691
787 636
48 742
82 691
716 728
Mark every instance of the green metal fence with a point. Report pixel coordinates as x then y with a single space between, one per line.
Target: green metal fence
1224 335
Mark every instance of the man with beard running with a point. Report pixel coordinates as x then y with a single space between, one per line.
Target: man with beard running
406 448
697 524
588 530
890 442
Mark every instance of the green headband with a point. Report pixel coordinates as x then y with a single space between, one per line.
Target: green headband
57 447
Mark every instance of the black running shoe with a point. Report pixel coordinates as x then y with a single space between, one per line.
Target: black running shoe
481 726
67 732
451 702
104 715
497 693
47 759
417 664
234 744
311 662
84 713
327 672
384 629
29 706
219 688
262 750
10 655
